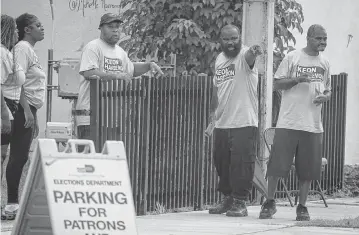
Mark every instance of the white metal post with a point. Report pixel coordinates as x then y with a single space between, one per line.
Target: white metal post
257 28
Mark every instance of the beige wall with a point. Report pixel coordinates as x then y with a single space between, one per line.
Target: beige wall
340 18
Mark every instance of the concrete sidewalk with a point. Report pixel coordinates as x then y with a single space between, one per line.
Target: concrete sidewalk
201 223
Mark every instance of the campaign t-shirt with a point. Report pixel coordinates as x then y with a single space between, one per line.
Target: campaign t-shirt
10 84
297 111
35 82
97 54
237 94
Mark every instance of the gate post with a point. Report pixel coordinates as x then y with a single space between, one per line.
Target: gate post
257 28
145 150
95 113
199 198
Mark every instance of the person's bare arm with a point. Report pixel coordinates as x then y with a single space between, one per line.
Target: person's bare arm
18 77
284 83
212 112
105 76
142 68
327 93
5 117
29 118
139 69
252 54
288 83
214 101
4 112
322 97
328 84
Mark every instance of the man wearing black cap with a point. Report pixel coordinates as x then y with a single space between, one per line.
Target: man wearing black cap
103 58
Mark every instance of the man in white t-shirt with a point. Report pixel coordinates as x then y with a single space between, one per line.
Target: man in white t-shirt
104 59
304 79
234 112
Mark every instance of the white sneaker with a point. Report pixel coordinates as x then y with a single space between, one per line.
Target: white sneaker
9 212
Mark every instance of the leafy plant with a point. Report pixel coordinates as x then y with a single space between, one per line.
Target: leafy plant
288 15
190 29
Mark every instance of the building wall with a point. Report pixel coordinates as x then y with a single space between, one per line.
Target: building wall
340 18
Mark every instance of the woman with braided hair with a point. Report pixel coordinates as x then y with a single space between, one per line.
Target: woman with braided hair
12 78
25 130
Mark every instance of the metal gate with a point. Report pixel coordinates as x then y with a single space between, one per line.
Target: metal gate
162 123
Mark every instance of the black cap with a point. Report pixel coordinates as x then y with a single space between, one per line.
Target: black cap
110 17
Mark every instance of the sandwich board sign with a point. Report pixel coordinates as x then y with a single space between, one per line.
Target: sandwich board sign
76 193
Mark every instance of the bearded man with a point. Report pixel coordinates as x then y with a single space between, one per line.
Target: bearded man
234 113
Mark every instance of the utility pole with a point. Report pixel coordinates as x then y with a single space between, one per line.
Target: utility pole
257 28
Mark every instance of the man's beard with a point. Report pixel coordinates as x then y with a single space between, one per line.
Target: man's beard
233 52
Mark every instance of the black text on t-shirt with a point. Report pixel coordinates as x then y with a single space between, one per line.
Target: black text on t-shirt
225 74
112 65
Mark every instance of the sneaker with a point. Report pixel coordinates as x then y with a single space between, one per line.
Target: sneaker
302 213
223 206
9 212
268 209
238 209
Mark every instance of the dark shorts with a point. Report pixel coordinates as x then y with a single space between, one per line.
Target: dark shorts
305 146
